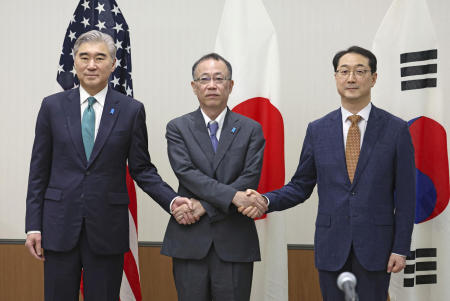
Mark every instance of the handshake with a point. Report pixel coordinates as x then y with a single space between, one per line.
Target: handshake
189 211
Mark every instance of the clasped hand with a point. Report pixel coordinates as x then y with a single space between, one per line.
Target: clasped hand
187 211
250 203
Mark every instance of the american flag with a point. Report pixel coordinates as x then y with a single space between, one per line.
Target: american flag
105 16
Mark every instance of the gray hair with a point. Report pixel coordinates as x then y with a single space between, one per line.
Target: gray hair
96 36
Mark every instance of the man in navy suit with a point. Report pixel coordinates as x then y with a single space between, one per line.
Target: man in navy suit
77 201
362 160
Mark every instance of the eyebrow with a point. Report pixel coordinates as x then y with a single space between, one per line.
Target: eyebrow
214 74
96 54
357 65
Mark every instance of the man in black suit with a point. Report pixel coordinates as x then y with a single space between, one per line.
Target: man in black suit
215 153
77 201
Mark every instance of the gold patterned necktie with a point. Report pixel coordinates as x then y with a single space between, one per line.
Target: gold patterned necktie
352 146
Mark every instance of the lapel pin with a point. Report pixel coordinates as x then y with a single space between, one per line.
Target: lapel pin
112 111
233 130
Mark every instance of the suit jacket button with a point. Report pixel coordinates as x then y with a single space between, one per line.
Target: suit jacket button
353 193
82 195
88 173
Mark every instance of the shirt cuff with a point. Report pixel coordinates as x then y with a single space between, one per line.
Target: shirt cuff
171 202
399 254
267 199
33 232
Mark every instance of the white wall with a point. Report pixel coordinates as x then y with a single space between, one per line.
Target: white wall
166 38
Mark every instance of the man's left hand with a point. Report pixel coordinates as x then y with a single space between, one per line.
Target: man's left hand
396 263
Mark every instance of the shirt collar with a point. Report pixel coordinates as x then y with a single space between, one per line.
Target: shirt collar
99 97
220 119
364 113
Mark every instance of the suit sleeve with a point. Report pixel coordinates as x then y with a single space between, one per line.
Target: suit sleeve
141 168
302 183
249 177
405 192
40 167
208 189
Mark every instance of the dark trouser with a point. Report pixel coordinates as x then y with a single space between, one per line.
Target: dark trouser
371 285
211 278
102 274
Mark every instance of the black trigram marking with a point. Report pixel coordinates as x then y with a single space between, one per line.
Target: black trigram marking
418 56
418 84
421 269
421 69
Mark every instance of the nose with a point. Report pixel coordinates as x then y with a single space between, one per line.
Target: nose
351 77
91 64
211 85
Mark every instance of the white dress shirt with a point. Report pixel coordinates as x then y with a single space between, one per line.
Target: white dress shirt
97 106
220 119
362 124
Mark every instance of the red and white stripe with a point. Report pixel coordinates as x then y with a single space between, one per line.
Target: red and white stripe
131 286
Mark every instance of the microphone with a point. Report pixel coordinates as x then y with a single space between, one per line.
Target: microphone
347 283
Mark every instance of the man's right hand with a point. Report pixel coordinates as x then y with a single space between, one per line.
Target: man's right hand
181 211
251 211
187 213
251 201
33 244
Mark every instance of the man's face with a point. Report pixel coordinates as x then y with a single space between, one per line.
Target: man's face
355 86
212 94
93 65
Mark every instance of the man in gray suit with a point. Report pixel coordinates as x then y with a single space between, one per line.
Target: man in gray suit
215 154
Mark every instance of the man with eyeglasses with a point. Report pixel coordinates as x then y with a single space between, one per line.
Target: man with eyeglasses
362 160
216 154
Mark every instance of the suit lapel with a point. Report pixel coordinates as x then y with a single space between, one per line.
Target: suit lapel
72 109
200 133
373 129
229 131
337 139
109 116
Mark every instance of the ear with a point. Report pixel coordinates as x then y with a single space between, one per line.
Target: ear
113 67
374 77
231 85
194 87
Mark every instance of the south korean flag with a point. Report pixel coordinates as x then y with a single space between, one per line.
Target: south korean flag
409 86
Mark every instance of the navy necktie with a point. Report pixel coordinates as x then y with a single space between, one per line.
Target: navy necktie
213 126
88 127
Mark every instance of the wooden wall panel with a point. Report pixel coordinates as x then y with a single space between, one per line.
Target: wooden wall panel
303 276
156 275
21 276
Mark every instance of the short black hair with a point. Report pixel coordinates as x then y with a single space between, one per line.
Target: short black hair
359 50
213 56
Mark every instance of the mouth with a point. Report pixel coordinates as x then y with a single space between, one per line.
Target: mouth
351 88
212 95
